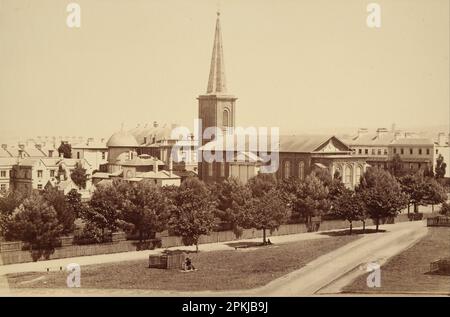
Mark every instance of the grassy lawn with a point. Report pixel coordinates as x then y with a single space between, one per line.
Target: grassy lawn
243 268
409 270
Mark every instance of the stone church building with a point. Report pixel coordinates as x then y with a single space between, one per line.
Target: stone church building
298 155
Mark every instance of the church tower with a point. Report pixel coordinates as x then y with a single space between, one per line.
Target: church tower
216 108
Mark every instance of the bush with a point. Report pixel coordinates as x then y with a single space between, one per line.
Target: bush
90 235
148 244
445 209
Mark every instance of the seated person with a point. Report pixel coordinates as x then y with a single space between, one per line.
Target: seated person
188 266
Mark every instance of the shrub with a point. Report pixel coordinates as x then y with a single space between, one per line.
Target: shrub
90 235
445 209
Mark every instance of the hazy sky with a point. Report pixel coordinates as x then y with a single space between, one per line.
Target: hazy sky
300 65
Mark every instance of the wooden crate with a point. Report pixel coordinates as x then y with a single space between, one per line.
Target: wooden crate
167 261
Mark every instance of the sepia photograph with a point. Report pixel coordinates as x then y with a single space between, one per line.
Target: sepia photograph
233 149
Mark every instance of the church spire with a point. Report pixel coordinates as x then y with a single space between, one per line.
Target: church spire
217 81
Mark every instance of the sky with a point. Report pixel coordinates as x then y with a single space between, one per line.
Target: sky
303 66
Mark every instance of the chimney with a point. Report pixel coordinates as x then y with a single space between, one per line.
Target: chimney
4 146
362 131
38 146
21 146
381 131
441 139
90 141
21 154
155 124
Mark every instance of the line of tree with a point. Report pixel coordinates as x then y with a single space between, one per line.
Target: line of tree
194 209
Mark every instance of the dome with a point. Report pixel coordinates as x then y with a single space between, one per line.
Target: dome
122 139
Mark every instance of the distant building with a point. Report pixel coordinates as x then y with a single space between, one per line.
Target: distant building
36 173
125 162
96 153
6 167
415 153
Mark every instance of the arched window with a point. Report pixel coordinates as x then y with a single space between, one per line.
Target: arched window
226 118
301 170
348 175
287 169
359 172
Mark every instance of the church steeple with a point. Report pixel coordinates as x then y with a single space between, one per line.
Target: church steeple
216 108
217 81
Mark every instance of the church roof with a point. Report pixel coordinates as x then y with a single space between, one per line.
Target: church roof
217 80
306 143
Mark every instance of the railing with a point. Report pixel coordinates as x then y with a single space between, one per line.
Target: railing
439 221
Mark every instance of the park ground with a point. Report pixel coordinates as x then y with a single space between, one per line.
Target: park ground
409 271
246 267
295 265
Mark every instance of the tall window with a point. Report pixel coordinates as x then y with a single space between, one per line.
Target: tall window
103 155
402 151
410 151
39 174
301 170
210 169
222 169
428 152
348 175
420 151
226 118
78 155
52 173
287 169
3 174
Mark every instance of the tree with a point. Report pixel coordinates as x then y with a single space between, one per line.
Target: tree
441 167
262 184
79 176
233 203
146 208
396 166
66 149
193 214
73 200
410 185
445 209
381 194
8 203
103 208
36 223
268 212
311 199
349 206
64 213
434 193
